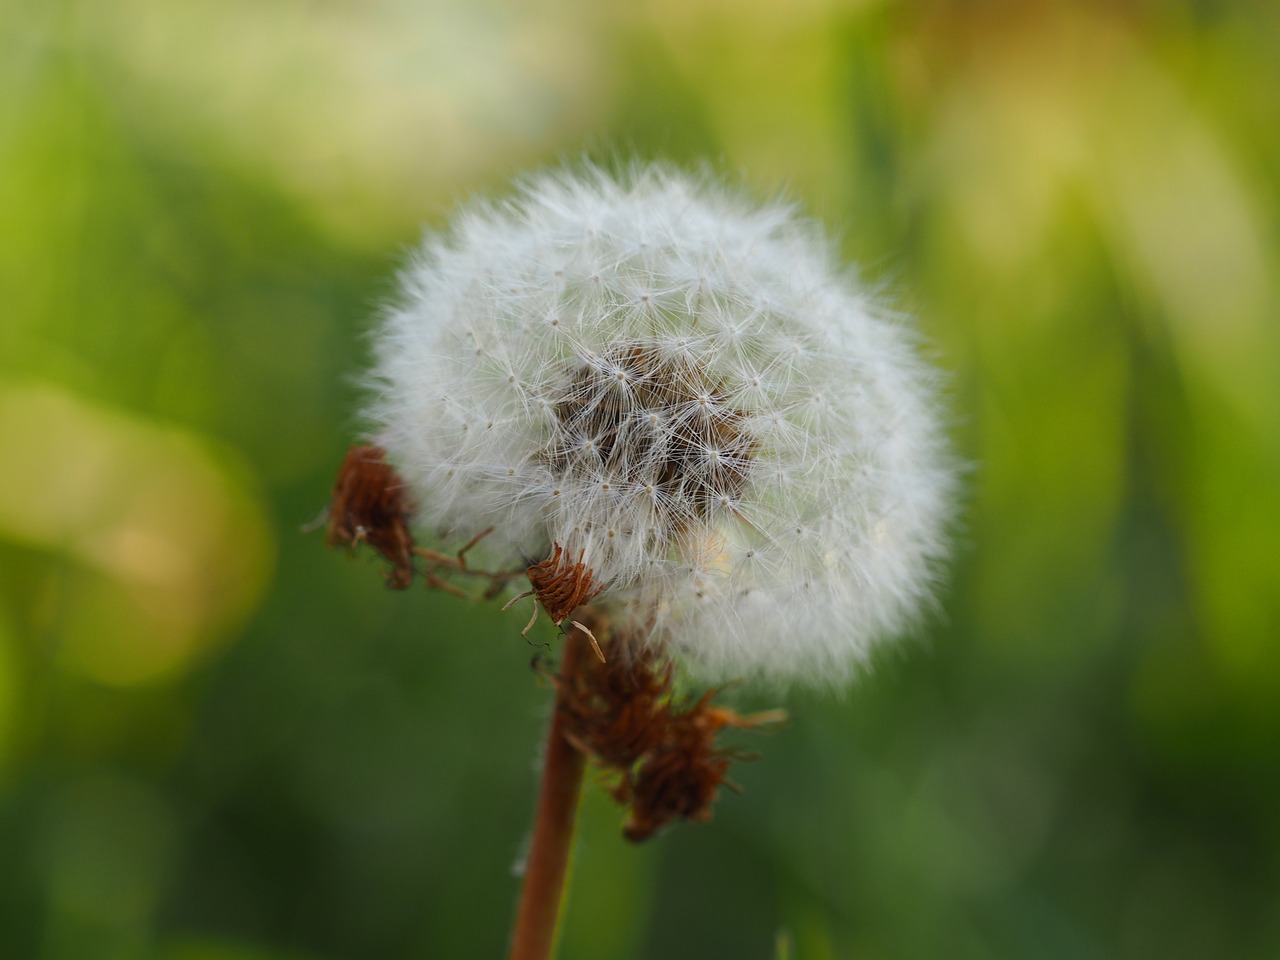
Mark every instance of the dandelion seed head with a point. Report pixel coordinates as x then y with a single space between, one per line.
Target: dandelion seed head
686 392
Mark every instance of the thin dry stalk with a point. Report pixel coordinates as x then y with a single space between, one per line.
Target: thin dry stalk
548 863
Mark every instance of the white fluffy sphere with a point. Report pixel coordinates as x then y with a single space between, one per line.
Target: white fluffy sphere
686 391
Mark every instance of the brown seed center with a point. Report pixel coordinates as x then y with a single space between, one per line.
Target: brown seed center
636 420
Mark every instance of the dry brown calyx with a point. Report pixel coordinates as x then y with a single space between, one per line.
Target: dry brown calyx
560 586
369 505
660 754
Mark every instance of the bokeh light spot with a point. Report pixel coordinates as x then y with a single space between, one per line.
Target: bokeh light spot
167 549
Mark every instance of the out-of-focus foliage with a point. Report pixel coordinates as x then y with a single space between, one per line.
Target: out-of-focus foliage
220 742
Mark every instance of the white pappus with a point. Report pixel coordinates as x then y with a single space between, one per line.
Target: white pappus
686 391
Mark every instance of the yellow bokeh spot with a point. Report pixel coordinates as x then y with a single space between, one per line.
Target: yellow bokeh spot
166 549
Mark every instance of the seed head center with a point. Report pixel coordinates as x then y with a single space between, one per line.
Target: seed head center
636 419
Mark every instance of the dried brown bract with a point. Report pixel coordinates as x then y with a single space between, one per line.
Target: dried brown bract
561 586
662 755
369 505
619 709
681 777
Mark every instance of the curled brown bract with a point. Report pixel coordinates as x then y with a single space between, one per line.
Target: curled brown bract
560 585
369 505
660 754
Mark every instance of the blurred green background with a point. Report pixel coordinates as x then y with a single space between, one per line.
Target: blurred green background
220 741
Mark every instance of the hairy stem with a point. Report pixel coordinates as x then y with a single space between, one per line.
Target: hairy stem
544 878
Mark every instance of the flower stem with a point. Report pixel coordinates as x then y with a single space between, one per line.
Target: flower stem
548 863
